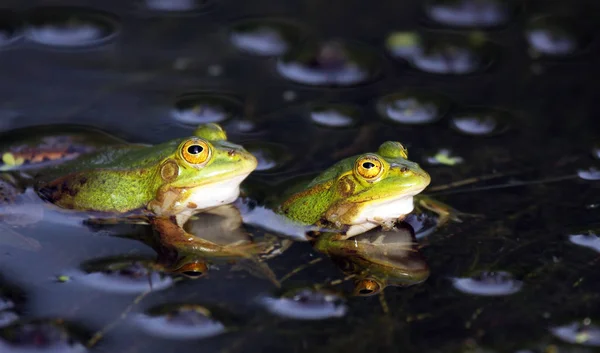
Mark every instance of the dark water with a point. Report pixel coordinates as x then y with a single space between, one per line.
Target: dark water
505 86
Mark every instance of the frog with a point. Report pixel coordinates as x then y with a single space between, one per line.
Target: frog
156 184
362 192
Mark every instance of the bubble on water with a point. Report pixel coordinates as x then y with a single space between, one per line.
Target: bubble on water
181 321
171 6
469 13
589 240
453 55
481 122
10 30
270 156
51 336
553 36
67 27
306 304
265 37
122 275
591 173
329 63
200 108
412 107
488 284
583 333
334 115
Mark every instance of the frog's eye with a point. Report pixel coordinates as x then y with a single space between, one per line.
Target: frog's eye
195 151
369 167
366 287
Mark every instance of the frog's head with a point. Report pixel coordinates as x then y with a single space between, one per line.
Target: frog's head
361 192
204 172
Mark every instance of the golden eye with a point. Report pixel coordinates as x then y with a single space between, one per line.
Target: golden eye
369 167
195 151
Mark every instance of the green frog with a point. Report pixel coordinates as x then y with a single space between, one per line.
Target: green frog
362 192
164 183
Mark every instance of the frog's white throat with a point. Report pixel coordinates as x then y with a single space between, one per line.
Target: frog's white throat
185 202
384 212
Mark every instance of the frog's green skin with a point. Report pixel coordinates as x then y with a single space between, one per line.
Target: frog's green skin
377 259
157 180
342 199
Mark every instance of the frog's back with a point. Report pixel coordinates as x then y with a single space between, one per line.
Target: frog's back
110 180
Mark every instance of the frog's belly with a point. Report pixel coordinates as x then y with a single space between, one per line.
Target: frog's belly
379 213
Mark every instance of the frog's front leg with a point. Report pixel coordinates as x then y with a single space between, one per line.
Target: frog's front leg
445 212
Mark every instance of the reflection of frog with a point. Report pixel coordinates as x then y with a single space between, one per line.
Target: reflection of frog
216 237
359 193
168 182
377 259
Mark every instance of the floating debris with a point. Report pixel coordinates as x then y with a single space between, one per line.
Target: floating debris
444 157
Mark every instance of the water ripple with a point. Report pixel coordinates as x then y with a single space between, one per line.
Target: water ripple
67 27
306 304
488 284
